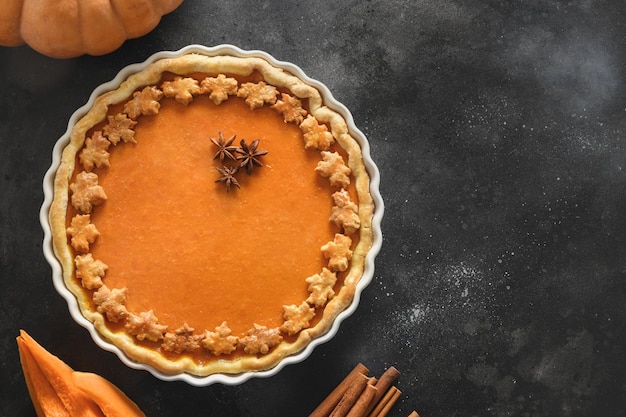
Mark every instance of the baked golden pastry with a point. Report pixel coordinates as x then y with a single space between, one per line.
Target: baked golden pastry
211 214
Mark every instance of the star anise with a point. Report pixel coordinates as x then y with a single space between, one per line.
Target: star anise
249 155
228 176
226 148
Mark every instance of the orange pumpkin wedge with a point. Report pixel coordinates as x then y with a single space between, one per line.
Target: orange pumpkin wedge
44 396
111 400
58 391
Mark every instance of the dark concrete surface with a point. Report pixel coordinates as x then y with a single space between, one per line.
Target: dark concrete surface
499 128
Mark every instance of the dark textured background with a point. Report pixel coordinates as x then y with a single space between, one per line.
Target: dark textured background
499 130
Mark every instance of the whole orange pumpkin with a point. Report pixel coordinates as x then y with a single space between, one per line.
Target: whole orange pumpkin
70 28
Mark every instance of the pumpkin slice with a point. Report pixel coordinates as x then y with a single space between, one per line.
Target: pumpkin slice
110 399
43 394
57 390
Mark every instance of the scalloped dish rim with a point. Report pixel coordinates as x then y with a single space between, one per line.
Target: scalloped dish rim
227 379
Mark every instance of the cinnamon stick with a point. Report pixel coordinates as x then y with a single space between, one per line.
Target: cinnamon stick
385 404
383 384
394 397
350 397
360 407
331 401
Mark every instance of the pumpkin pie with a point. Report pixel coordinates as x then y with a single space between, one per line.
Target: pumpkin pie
212 214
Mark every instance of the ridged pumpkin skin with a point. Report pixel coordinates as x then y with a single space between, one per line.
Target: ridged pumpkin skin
70 28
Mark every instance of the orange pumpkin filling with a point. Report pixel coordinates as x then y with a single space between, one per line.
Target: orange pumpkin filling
194 253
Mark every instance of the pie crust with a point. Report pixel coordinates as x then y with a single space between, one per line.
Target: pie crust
84 194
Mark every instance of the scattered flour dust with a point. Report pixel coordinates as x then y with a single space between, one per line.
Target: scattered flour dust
449 294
